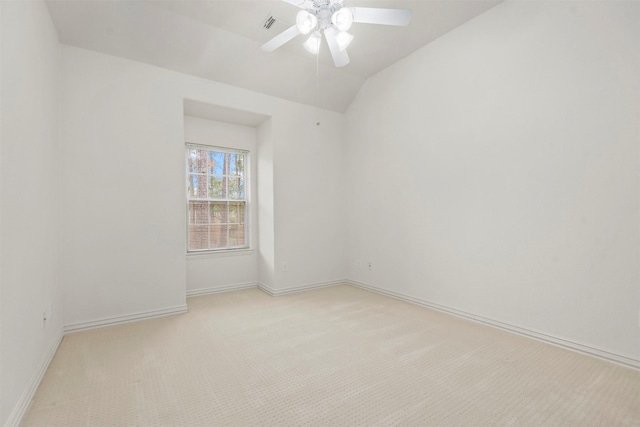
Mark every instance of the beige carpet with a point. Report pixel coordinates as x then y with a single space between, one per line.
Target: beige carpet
338 356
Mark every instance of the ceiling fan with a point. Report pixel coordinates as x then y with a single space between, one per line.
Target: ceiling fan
334 19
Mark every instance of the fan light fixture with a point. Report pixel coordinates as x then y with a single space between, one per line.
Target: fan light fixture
306 22
333 19
342 19
313 43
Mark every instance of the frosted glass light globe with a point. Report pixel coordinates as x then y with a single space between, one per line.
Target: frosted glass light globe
306 22
313 43
342 19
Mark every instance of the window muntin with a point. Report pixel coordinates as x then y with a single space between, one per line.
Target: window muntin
216 198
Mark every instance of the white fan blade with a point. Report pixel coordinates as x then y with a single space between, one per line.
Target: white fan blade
340 57
372 15
281 39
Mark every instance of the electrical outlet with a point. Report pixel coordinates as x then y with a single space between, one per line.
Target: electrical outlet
359 265
285 266
47 314
370 266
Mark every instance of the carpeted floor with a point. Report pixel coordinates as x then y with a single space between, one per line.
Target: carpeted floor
337 356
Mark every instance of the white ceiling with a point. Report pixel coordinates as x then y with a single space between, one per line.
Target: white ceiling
220 40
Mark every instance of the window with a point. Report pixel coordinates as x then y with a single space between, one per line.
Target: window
216 198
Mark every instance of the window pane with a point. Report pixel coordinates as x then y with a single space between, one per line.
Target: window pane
236 213
236 188
216 187
233 213
198 237
241 212
233 188
227 164
197 186
197 161
217 212
210 162
218 236
191 186
236 164
233 236
241 231
192 160
218 163
198 213
240 165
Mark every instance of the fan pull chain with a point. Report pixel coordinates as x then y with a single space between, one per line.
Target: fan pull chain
318 88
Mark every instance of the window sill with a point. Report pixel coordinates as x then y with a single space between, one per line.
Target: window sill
220 253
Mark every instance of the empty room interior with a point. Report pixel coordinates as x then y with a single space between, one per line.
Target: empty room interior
320 212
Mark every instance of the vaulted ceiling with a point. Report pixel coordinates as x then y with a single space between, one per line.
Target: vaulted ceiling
220 40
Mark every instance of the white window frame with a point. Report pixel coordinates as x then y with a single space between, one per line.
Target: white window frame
247 179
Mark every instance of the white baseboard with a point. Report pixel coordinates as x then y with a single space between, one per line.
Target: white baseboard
278 292
219 289
23 403
20 409
110 321
549 339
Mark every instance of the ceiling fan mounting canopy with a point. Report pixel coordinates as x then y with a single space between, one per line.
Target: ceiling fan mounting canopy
331 5
334 19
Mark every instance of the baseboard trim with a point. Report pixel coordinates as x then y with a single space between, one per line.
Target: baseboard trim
21 407
220 289
301 288
110 321
549 339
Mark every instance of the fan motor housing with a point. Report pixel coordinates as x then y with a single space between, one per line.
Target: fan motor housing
324 10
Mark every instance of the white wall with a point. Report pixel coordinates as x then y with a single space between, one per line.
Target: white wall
123 223
28 198
495 171
265 191
210 271
122 234
310 202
